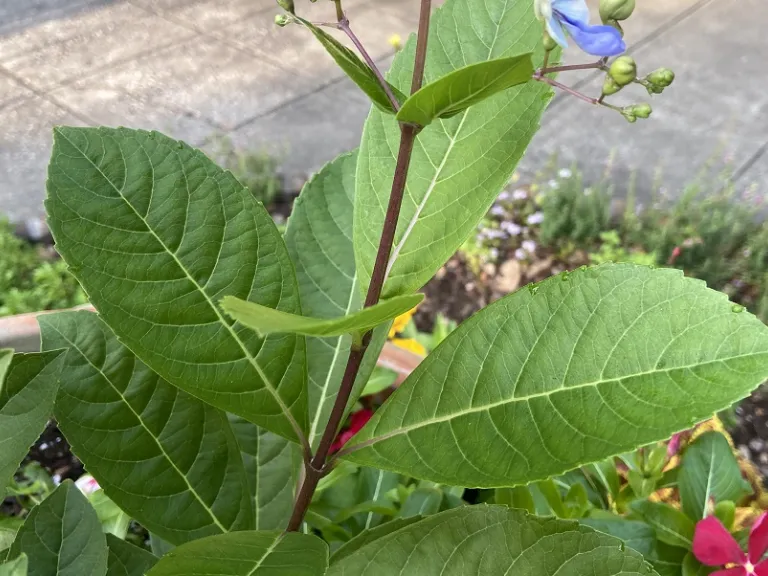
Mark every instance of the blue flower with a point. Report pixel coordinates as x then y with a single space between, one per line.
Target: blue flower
572 16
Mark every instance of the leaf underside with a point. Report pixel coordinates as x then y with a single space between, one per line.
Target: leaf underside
157 234
539 382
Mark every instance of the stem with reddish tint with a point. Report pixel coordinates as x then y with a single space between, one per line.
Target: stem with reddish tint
316 468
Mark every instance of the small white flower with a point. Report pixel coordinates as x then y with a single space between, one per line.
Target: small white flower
554 184
87 484
498 210
56 478
587 191
504 196
519 194
511 228
529 246
520 254
493 253
535 218
565 173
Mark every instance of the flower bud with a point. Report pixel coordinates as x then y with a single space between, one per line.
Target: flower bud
549 42
662 77
283 20
616 9
641 110
628 115
623 70
610 87
287 5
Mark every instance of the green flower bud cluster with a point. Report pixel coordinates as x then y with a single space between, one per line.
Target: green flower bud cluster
657 80
613 11
635 111
623 71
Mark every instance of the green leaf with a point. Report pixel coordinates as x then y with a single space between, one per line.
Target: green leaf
9 525
692 567
491 540
26 404
608 475
62 536
551 493
381 379
17 567
672 526
157 234
167 459
368 536
709 471
355 68
668 560
465 87
113 520
272 472
422 502
541 381
319 240
637 535
247 554
126 559
459 165
517 497
372 486
267 321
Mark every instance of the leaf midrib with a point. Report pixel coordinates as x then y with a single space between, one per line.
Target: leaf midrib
268 551
151 434
339 342
490 406
414 219
267 384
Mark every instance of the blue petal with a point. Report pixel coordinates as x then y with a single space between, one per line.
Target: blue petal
555 30
573 10
596 40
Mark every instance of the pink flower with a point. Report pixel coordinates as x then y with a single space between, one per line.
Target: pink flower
713 545
356 422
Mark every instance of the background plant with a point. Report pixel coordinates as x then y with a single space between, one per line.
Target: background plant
206 396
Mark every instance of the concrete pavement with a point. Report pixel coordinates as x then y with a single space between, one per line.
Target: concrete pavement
198 69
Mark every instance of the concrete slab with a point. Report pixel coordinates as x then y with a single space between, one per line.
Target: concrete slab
63 50
203 77
297 49
207 15
12 91
15 15
717 98
308 133
111 105
25 146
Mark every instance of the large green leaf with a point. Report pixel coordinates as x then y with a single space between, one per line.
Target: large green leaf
17 567
465 87
62 536
492 541
271 466
247 554
166 458
459 165
126 559
319 240
570 371
269 321
9 525
637 535
709 471
26 404
356 69
157 234
368 536
672 526
372 486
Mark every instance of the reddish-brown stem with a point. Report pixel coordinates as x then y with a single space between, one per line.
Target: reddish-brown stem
315 469
570 67
343 25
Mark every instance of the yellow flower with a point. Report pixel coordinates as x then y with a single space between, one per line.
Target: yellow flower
401 322
410 344
396 42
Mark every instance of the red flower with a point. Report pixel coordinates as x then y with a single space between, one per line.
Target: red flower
356 422
713 545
